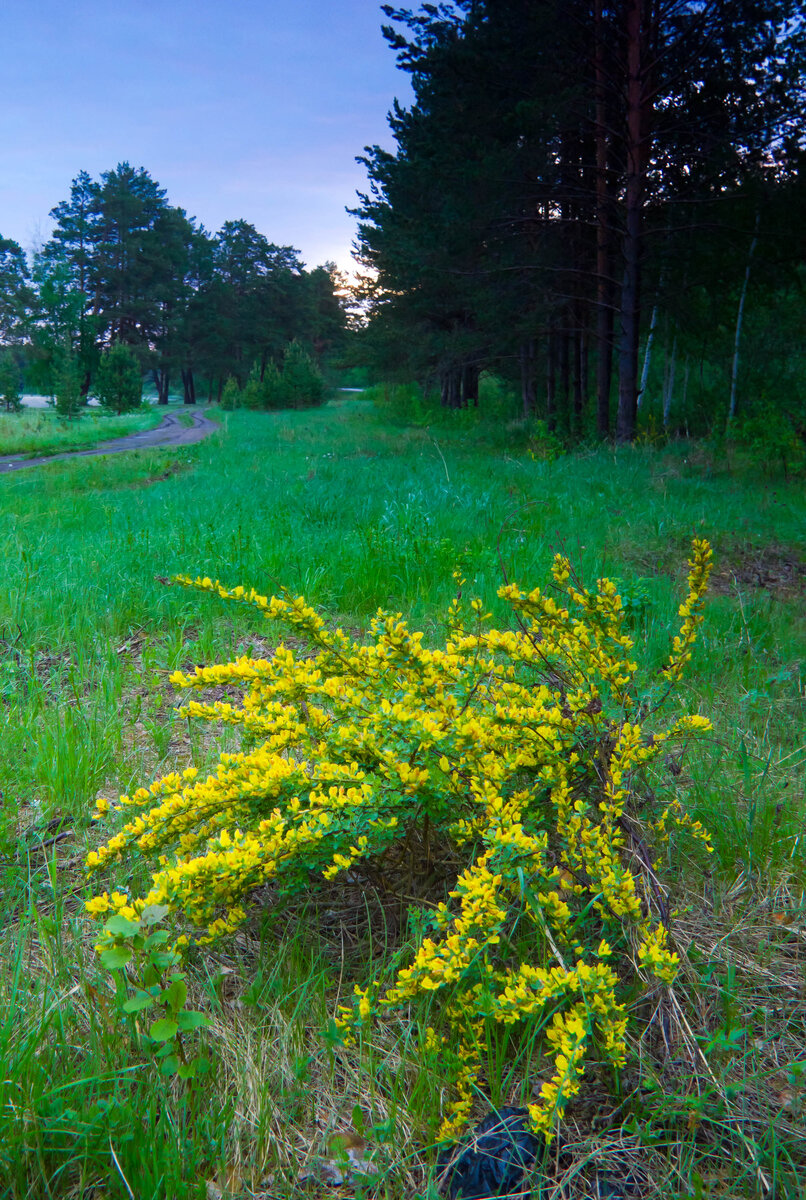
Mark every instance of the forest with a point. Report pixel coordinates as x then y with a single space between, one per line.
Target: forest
602 205
127 273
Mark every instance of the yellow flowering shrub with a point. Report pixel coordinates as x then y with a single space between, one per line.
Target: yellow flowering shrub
522 747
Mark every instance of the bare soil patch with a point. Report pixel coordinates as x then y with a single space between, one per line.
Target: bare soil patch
780 570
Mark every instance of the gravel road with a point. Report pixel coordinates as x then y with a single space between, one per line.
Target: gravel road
171 432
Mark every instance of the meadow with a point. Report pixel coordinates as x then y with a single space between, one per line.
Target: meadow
42 431
356 512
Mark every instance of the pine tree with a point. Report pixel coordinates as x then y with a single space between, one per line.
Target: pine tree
118 382
10 380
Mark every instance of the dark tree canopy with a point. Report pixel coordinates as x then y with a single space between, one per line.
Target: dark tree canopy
561 167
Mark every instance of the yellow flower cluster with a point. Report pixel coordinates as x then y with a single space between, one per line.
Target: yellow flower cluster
520 746
691 609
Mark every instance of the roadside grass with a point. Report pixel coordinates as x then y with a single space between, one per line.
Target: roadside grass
357 513
32 432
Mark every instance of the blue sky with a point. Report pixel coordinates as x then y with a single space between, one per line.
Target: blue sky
239 108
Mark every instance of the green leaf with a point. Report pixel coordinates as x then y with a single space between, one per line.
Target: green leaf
384 1132
332 1035
175 995
163 1030
187 1070
170 1065
192 1020
158 938
138 1003
116 956
154 913
165 958
120 926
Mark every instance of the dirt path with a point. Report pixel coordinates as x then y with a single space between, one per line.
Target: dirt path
171 432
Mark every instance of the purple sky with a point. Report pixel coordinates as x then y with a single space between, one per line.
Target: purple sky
239 108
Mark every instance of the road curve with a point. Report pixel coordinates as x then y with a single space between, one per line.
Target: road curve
170 432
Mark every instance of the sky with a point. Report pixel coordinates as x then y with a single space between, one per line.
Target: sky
252 109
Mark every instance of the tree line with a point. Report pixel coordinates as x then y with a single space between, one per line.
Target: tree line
580 195
127 274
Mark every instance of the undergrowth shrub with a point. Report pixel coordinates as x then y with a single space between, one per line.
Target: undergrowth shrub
527 750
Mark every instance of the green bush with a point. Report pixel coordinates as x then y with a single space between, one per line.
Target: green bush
273 390
118 383
231 394
69 399
252 391
769 434
303 384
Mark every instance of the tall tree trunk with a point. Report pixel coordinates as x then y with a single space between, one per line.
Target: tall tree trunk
189 386
668 389
637 23
648 354
162 377
564 373
551 379
576 350
452 388
685 385
470 385
734 369
528 395
604 237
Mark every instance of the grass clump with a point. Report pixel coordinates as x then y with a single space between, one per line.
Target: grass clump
44 431
521 751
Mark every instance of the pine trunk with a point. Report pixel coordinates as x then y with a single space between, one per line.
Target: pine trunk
189 386
637 113
551 380
528 394
604 239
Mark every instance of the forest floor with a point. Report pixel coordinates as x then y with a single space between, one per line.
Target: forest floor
355 512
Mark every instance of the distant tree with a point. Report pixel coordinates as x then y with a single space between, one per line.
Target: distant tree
128 262
119 381
252 395
16 295
302 382
69 397
327 304
63 320
259 291
10 382
172 284
65 271
273 391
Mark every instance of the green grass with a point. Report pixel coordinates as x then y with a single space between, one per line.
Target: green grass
358 513
33 432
